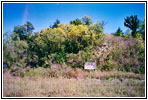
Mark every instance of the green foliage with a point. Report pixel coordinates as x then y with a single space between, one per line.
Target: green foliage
141 70
78 60
116 54
135 25
19 65
73 60
87 20
16 46
60 41
8 51
132 23
74 44
21 32
60 57
107 66
71 47
140 50
127 68
118 32
76 22
29 27
55 25
98 27
133 57
7 58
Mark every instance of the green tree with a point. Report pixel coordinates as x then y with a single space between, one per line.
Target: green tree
132 23
55 25
17 46
87 20
71 47
51 45
18 33
76 22
22 32
98 27
29 27
118 32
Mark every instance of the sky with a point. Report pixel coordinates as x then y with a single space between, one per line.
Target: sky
42 15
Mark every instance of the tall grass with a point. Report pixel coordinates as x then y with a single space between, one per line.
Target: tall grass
112 85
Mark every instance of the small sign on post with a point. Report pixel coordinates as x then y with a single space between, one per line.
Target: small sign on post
90 65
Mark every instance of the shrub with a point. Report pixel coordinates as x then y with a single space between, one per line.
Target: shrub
127 68
60 57
71 47
140 51
107 66
74 60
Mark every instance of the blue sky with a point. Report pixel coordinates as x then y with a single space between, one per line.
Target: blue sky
42 15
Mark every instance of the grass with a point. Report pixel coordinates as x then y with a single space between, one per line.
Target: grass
112 84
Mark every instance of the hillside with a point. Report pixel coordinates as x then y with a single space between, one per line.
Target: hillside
47 82
53 62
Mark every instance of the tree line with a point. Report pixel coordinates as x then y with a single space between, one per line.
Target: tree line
134 24
59 42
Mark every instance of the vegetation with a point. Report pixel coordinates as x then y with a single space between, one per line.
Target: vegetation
142 29
114 85
37 59
119 32
87 20
133 23
76 22
75 43
55 25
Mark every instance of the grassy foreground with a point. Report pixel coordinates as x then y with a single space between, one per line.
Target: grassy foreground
125 85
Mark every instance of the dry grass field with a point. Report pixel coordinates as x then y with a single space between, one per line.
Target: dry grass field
123 84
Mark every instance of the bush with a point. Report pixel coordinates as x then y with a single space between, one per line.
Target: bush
127 68
60 57
74 60
52 45
71 47
107 66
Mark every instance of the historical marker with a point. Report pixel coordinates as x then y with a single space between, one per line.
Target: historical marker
90 65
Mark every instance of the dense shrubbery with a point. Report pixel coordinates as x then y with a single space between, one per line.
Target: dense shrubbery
52 45
73 44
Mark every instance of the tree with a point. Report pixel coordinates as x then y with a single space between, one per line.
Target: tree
17 48
18 33
7 50
87 20
132 23
76 22
55 25
29 27
98 27
71 47
22 32
118 32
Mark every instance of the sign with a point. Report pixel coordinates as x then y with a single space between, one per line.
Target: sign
90 65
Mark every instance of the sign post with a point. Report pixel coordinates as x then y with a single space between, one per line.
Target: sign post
90 65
